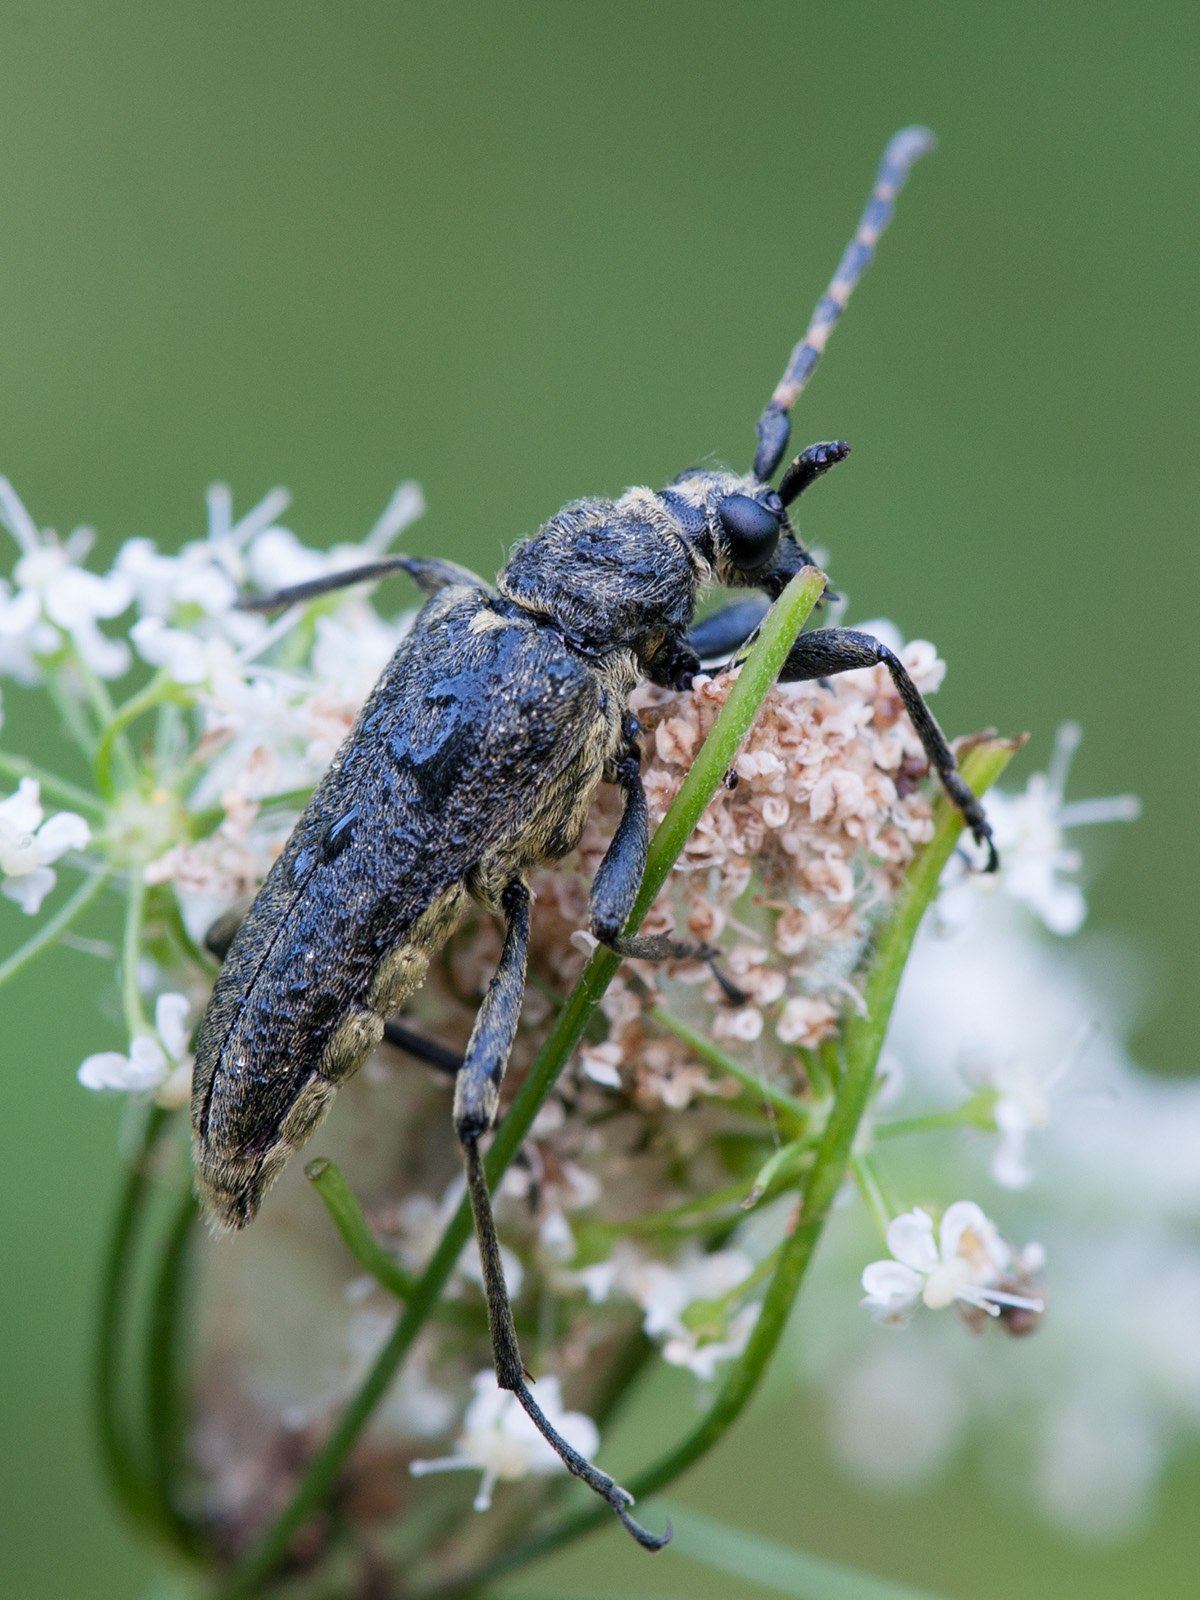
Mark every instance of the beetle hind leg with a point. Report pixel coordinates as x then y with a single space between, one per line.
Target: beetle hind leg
476 1099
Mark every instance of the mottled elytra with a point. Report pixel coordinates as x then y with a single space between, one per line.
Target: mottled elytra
474 760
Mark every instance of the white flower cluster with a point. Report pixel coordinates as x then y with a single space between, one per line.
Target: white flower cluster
247 709
29 842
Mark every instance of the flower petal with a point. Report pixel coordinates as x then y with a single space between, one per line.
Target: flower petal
30 889
963 1214
910 1239
890 1284
63 832
23 810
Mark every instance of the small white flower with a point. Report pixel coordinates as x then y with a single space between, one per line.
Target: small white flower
28 845
158 1060
56 595
685 1306
1022 1089
966 1262
501 1442
1036 864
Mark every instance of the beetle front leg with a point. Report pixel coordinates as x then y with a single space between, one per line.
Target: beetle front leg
724 631
619 877
476 1099
827 651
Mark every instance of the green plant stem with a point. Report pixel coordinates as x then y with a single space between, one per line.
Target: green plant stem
106 715
131 950
863 1039
51 784
114 746
346 1214
977 1112
795 1111
163 1373
758 673
128 1480
863 1170
74 718
688 1215
53 926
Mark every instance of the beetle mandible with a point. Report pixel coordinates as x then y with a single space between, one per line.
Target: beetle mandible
474 760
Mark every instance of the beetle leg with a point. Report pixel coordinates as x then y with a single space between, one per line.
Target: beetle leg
476 1097
420 1048
429 575
619 877
828 651
728 629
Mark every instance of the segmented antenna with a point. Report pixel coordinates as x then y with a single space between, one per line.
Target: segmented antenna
906 147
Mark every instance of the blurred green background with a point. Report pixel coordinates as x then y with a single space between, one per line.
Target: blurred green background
526 252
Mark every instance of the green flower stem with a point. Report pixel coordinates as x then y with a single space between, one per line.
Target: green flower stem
114 746
862 1041
74 718
977 1112
55 925
758 673
862 1169
129 1482
688 1216
795 1111
346 1214
131 950
105 714
51 784
782 1170
165 1409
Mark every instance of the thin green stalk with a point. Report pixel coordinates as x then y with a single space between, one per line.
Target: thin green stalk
863 1040
758 673
346 1214
114 746
131 951
74 719
862 1169
51 784
125 1473
977 1112
688 1214
105 714
794 1110
165 1408
53 926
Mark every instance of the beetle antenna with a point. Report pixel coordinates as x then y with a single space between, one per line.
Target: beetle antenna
905 148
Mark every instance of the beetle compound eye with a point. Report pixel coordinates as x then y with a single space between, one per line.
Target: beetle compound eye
751 530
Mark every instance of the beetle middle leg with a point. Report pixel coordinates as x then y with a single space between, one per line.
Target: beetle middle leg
476 1099
619 877
827 651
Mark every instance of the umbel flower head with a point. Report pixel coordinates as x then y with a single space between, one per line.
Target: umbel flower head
656 1193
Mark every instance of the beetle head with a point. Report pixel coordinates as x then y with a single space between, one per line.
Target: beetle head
739 527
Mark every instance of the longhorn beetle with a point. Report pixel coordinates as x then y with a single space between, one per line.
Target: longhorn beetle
476 759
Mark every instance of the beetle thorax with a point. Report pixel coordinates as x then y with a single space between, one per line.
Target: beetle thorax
609 574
